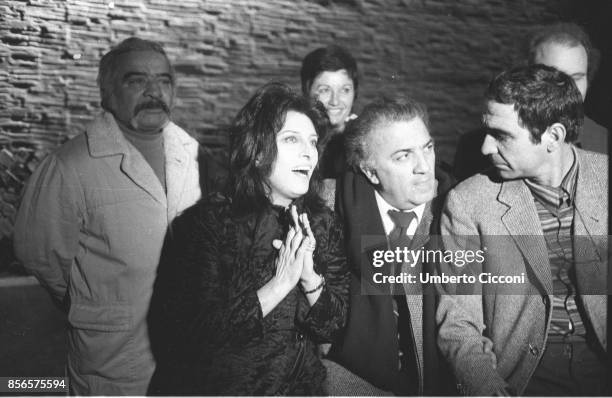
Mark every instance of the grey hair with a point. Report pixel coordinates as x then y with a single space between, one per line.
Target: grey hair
108 63
374 115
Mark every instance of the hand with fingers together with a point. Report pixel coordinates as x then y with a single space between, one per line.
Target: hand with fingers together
290 259
289 265
311 282
296 253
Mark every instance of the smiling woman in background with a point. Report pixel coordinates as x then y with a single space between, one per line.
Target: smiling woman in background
248 285
329 75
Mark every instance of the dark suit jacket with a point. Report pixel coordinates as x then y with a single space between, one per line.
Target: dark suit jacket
369 346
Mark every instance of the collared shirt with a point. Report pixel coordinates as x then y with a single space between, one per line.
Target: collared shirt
555 206
405 334
555 198
388 224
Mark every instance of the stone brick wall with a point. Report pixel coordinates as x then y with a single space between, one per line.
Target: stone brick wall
441 52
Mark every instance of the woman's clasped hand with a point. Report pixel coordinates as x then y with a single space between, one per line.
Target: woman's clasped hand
294 262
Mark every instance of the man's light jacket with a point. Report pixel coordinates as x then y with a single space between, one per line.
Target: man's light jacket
91 228
502 217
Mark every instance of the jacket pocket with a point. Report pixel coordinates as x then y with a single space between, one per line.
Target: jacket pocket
115 318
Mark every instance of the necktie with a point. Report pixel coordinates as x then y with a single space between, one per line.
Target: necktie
402 220
407 359
398 238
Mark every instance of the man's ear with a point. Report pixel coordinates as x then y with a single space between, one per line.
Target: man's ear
370 173
554 136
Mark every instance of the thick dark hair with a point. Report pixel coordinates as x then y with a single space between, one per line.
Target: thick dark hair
253 144
108 63
330 58
374 115
541 96
567 34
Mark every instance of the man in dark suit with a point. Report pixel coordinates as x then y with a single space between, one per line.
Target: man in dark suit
540 214
385 201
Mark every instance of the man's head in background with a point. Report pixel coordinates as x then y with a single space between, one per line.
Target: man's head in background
566 47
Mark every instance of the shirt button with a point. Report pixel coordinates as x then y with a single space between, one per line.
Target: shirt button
533 350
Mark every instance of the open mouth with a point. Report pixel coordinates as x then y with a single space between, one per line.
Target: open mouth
302 170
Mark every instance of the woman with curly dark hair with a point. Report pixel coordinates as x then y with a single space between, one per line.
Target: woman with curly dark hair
248 285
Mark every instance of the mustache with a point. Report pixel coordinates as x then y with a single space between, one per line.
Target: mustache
152 104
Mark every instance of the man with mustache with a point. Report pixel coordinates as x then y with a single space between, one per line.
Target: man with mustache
95 213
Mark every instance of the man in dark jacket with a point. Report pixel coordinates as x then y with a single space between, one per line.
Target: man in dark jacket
387 201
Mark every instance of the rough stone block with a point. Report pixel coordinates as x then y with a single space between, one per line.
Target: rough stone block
439 51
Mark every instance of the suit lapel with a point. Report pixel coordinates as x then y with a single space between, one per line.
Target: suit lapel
371 319
364 232
590 240
523 225
138 170
414 291
106 139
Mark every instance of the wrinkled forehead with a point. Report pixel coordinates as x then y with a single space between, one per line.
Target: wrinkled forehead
389 136
146 62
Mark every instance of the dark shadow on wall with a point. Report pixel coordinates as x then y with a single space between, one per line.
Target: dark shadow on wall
595 16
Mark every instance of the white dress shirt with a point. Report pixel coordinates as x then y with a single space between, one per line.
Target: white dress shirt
388 224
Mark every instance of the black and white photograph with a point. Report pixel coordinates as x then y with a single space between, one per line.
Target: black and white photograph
305 197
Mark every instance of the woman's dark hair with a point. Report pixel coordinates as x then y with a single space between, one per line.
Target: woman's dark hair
330 58
253 145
